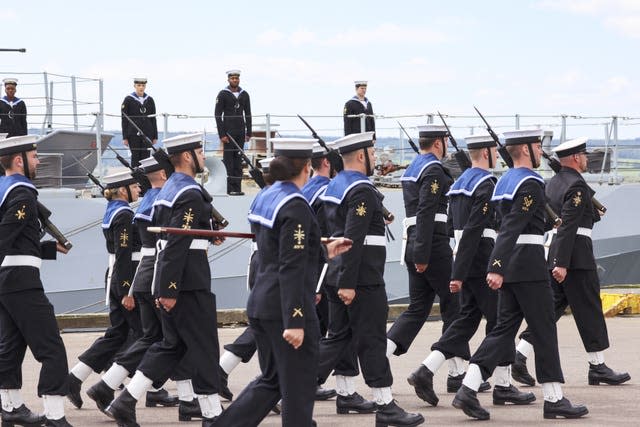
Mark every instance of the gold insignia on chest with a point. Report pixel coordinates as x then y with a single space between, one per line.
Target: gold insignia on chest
435 187
126 283
188 219
124 239
361 210
21 213
173 285
298 236
527 202
297 312
577 199
497 262
485 208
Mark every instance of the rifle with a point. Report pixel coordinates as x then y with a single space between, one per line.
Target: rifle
461 157
411 143
332 155
21 50
49 227
137 173
160 155
255 173
502 150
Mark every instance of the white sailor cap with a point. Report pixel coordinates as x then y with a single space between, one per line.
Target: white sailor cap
300 148
10 81
360 83
318 151
432 131
140 80
479 141
17 144
149 165
518 137
264 164
180 143
233 73
573 146
121 178
354 141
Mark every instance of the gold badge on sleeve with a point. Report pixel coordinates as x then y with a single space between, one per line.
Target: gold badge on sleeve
577 199
124 239
527 202
435 186
21 213
298 237
361 210
297 312
188 219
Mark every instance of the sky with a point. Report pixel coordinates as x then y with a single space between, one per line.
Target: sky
529 57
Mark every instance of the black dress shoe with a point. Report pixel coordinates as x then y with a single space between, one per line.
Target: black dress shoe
393 415
123 410
277 409
75 385
354 403
519 371
236 193
454 384
62 422
467 400
102 394
564 408
603 374
160 398
422 381
224 392
511 394
209 422
21 416
189 410
325 393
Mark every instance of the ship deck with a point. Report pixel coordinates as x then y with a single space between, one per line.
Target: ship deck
607 405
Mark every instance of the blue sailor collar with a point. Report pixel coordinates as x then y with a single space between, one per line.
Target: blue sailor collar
469 181
142 99
366 100
342 184
8 183
240 90
269 201
314 188
509 183
145 208
15 101
177 184
418 165
113 208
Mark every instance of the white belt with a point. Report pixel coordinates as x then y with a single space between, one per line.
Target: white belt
530 239
254 246
371 240
321 278
112 261
21 261
196 244
136 256
489 233
254 249
583 231
147 251
409 222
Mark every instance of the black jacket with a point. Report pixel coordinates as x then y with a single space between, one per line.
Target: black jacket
233 114
139 112
352 124
121 242
13 117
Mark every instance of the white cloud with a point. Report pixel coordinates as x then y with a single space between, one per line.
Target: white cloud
626 25
269 37
8 15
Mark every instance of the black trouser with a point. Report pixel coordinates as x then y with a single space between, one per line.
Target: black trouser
244 346
139 150
423 288
150 318
362 324
103 350
233 162
286 373
322 311
532 301
27 319
191 325
581 291
477 299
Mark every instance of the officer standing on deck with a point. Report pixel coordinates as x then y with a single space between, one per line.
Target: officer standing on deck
359 104
182 286
574 278
428 254
474 223
26 316
233 116
356 291
13 110
141 108
517 268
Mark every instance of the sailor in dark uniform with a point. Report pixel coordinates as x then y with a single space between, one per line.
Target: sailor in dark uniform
426 249
281 305
141 108
26 316
233 116
355 285
182 287
13 111
122 238
359 104
474 222
517 268
574 278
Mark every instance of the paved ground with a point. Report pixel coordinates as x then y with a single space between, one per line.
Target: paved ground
608 406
